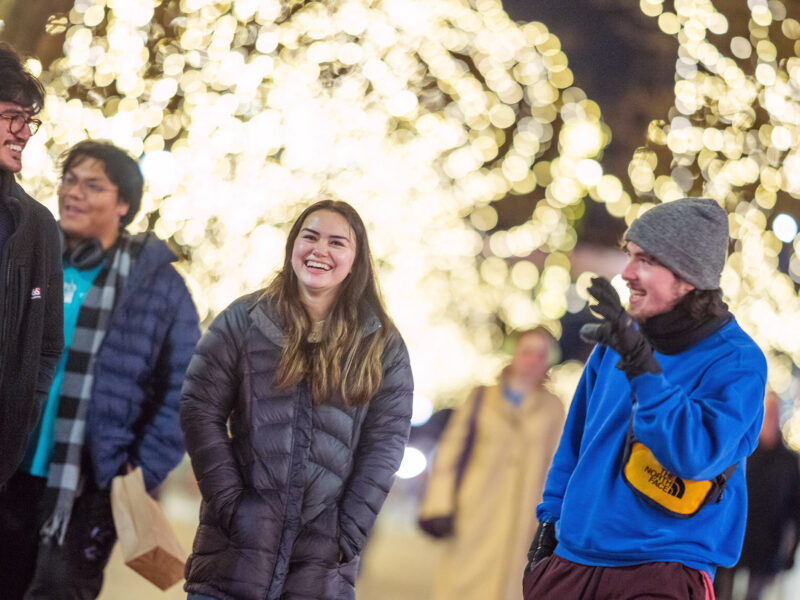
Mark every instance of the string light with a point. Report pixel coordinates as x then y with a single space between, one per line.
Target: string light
421 114
785 228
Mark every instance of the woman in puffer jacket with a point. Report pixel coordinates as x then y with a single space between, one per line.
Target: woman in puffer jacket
296 409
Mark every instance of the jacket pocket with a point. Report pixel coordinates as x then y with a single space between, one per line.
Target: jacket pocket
246 528
211 536
313 579
347 573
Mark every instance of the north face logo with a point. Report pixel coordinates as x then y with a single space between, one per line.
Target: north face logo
678 488
36 293
666 481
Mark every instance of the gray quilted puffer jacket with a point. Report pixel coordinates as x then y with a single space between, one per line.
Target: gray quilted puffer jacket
290 490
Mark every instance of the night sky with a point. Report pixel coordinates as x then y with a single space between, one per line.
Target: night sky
596 54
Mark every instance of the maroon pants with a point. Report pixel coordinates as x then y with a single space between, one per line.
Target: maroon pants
556 578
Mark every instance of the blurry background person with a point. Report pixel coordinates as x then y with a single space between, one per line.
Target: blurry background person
130 328
296 409
30 288
489 470
773 510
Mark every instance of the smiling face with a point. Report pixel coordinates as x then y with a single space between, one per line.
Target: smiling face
323 253
12 144
89 203
654 288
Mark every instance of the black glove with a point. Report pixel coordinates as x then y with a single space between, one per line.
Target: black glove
618 331
543 545
437 527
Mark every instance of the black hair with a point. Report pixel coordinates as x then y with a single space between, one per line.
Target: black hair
18 84
120 168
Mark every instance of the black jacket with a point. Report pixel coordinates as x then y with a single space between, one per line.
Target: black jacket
773 510
31 318
290 489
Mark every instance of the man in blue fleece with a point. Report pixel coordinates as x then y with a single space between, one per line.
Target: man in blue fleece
646 494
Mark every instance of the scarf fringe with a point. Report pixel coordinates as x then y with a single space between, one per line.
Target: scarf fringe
56 525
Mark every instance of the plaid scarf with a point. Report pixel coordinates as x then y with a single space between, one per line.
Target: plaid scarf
76 389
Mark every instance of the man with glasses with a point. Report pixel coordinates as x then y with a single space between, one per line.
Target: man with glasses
31 335
130 328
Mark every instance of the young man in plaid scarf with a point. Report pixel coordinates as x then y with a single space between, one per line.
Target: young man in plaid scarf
130 328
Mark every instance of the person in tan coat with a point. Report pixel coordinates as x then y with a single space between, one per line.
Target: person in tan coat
488 472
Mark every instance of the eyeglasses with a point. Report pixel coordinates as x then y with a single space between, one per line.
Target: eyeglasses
18 120
86 186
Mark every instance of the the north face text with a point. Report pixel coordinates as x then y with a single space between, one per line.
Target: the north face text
666 481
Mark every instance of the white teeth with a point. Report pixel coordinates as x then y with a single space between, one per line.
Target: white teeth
318 265
15 147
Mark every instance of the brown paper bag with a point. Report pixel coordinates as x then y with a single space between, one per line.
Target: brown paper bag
148 543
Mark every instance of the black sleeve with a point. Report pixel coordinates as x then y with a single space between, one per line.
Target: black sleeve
207 399
53 332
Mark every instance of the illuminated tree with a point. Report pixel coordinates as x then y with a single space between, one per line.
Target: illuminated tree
422 114
734 135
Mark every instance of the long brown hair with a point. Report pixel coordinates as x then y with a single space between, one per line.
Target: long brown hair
344 360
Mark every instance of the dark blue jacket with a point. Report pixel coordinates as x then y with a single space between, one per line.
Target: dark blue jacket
139 369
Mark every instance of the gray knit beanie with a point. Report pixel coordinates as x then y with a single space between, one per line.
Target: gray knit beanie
688 236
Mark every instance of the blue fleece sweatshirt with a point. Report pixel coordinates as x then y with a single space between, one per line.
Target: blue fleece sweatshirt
700 415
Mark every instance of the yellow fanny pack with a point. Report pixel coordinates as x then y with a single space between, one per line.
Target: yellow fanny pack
671 494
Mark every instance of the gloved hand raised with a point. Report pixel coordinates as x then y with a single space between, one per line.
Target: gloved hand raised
618 331
543 545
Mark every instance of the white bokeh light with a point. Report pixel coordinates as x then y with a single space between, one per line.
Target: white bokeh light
785 227
413 464
422 410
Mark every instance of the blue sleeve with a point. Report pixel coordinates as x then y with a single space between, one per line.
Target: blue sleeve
566 456
160 446
698 435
